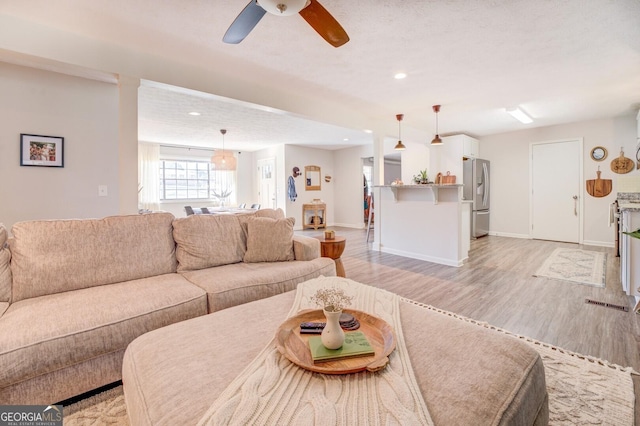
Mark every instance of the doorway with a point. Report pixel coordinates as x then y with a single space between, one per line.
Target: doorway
367 186
267 183
556 201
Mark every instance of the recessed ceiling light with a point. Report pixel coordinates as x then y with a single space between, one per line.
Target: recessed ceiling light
346 139
368 131
400 76
194 113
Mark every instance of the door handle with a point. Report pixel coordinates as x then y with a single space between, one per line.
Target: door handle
575 205
485 175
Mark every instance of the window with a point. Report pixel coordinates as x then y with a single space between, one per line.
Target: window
194 180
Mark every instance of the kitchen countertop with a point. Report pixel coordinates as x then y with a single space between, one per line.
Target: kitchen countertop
628 201
631 207
422 185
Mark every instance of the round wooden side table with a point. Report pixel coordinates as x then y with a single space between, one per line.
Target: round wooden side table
333 249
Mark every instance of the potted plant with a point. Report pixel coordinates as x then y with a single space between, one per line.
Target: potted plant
421 177
222 195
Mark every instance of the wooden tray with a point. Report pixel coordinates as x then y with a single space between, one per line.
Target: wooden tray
295 347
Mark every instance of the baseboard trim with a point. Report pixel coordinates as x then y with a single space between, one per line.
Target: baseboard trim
350 225
432 259
528 237
510 235
599 244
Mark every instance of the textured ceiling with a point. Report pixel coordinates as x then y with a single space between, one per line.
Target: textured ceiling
164 118
561 61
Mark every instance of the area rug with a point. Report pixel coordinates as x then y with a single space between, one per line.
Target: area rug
582 390
578 266
106 408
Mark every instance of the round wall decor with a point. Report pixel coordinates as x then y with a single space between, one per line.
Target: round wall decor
599 153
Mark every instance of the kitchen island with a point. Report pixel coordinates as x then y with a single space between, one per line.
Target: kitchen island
427 222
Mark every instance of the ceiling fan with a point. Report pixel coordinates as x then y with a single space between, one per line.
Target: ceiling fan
312 12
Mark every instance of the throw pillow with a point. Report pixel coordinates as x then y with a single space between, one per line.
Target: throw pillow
269 240
273 214
208 240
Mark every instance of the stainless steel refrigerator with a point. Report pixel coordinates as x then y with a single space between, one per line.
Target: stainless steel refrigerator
475 176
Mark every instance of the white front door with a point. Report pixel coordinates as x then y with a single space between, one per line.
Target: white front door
556 176
267 183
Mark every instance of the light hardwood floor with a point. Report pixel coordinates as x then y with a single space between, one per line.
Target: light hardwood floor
496 285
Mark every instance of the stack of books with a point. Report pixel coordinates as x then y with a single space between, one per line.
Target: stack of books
355 345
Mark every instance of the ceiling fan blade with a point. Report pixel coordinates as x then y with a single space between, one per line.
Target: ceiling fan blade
244 23
324 24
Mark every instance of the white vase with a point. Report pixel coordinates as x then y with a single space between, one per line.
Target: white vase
332 336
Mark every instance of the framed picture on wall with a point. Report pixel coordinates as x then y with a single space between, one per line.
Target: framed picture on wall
42 151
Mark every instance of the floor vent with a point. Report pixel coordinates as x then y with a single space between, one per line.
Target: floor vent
607 305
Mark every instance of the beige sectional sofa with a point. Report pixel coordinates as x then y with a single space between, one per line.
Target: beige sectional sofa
75 293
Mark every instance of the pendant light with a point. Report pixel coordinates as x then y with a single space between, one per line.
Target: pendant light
399 146
223 160
436 140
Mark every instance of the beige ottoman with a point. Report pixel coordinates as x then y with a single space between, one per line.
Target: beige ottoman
467 374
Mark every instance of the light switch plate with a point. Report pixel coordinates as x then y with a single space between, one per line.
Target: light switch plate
102 191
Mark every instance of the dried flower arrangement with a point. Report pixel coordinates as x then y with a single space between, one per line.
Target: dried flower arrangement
331 299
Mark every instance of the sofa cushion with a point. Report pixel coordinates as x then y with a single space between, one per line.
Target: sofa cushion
3 307
5 270
272 213
61 255
243 218
269 240
232 285
204 241
89 323
305 248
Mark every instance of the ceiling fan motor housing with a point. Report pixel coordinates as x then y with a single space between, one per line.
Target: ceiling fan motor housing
283 7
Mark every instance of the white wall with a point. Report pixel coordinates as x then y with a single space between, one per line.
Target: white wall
281 174
85 113
509 156
35 42
348 183
414 159
297 156
245 177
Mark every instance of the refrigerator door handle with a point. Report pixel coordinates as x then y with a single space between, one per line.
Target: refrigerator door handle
485 176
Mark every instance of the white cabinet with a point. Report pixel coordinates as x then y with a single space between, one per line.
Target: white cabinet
448 156
630 254
470 147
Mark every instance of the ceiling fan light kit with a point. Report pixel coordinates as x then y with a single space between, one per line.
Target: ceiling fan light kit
311 11
436 140
282 7
222 159
399 146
